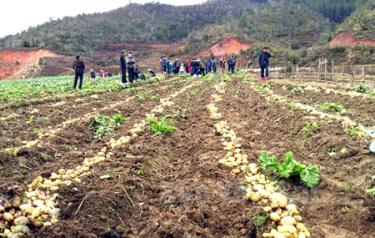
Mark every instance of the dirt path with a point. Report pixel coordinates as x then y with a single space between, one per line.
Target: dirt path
272 127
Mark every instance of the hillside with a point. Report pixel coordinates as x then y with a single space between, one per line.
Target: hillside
152 22
361 24
290 27
155 22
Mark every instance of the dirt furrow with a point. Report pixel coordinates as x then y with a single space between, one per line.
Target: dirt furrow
275 128
72 143
32 124
162 186
360 109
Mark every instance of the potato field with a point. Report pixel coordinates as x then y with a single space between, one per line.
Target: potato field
222 156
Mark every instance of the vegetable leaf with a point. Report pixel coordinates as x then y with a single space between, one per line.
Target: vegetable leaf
371 191
290 167
268 161
310 176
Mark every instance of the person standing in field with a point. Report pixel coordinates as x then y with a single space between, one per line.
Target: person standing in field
176 66
222 64
123 67
131 67
232 64
79 70
208 66
213 65
264 62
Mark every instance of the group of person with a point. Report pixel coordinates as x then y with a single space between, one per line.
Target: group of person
102 74
195 67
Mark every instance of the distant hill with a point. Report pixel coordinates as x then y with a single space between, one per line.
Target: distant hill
298 32
154 22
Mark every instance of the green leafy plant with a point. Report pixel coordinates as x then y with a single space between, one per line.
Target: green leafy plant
363 89
260 219
261 87
371 191
141 96
103 124
160 127
31 119
354 132
309 174
346 187
293 89
333 106
153 97
309 127
226 78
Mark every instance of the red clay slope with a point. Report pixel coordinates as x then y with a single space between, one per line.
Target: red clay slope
345 39
17 63
226 47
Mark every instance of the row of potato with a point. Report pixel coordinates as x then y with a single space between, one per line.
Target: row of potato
285 217
39 206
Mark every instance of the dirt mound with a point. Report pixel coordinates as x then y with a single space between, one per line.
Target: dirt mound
226 47
345 39
20 63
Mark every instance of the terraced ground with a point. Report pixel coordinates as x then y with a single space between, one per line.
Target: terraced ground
60 180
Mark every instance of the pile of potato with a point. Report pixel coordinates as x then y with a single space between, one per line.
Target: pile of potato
284 216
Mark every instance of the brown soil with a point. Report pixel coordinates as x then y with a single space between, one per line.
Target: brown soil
226 47
164 186
345 39
360 109
173 186
29 123
16 64
71 145
329 209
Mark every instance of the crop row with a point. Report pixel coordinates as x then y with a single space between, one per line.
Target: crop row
50 133
285 217
39 207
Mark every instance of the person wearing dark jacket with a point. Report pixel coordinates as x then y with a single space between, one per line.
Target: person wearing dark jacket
208 66
123 67
195 67
136 73
176 66
264 63
79 70
202 70
151 73
92 74
131 67
213 65
231 64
